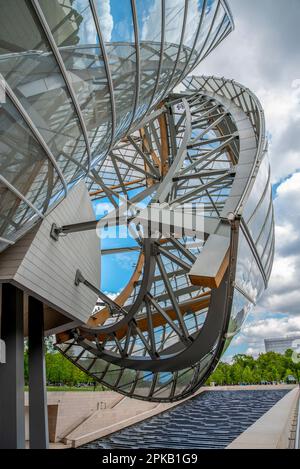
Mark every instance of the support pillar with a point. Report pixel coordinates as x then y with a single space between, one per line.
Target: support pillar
12 415
38 412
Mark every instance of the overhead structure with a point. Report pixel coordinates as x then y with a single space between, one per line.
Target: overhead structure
92 114
205 151
79 74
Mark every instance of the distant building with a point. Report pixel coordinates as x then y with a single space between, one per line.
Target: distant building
280 345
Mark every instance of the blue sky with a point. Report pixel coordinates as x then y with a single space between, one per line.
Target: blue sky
116 269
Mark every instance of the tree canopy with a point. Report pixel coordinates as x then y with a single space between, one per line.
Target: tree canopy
244 369
268 367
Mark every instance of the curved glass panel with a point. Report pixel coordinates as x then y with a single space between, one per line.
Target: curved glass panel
27 168
195 39
174 50
149 16
241 307
248 276
270 243
218 23
266 231
29 67
36 36
258 190
74 31
116 24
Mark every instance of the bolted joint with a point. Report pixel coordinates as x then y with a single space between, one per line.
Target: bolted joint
55 232
79 278
155 249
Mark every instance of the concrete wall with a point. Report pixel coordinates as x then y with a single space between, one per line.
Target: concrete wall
67 410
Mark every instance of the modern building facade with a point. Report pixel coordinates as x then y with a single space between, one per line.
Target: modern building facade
282 344
92 115
79 74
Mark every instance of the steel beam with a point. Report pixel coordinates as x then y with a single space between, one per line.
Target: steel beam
12 415
38 412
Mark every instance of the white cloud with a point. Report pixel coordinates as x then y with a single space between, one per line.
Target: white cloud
254 333
273 327
111 295
283 295
151 21
106 19
262 54
282 110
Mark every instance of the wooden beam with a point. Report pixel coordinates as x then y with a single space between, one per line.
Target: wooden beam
213 281
130 183
197 304
147 149
165 150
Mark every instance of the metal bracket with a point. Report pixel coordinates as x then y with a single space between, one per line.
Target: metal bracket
155 249
55 232
79 278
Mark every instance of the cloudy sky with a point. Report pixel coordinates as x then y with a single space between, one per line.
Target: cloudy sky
264 54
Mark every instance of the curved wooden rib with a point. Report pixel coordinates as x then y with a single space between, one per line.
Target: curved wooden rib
199 303
119 186
165 150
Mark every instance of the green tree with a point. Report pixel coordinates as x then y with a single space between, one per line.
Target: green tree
237 373
247 376
268 367
218 377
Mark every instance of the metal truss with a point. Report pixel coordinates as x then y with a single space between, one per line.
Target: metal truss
164 334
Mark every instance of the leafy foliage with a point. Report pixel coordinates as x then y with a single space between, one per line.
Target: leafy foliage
59 370
268 367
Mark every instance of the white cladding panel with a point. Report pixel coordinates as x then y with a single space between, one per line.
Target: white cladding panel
49 267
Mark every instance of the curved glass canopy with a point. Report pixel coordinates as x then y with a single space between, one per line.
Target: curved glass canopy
79 75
